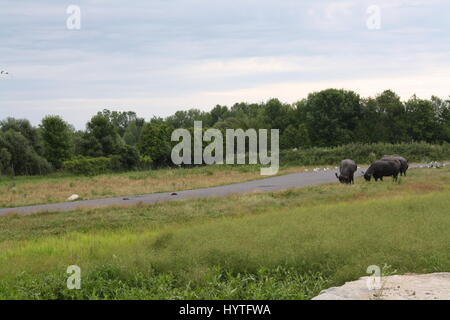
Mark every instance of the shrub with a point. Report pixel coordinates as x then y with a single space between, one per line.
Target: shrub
128 157
88 166
365 153
145 163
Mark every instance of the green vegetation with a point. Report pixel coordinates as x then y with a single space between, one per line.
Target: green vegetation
88 166
325 119
93 178
366 153
57 140
280 245
57 187
21 150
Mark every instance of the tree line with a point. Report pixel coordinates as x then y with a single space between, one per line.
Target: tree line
326 118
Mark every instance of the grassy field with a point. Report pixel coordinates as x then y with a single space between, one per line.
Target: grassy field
30 190
280 245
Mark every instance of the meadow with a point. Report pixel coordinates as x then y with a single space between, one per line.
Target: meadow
57 187
276 245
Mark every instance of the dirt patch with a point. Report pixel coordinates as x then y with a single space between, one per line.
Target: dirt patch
424 187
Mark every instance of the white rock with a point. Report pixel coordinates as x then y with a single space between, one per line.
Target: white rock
73 197
433 286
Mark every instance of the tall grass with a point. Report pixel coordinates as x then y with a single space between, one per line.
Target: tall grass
23 191
290 250
14 228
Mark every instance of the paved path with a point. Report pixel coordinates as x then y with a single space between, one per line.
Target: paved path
283 182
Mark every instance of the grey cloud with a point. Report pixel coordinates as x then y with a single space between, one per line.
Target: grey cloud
172 49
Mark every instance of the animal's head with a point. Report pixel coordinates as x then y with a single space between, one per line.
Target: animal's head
367 176
342 178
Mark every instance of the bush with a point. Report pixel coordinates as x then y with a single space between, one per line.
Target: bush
365 153
38 164
145 163
88 166
128 157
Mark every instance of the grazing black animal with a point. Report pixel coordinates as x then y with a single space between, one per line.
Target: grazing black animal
403 162
346 171
383 168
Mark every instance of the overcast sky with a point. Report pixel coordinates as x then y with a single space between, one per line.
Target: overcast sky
159 56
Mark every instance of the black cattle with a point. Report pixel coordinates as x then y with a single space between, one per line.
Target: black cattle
383 168
403 162
346 171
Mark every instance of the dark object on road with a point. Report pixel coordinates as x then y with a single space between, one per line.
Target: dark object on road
383 168
174 194
347 171
126 199
403 162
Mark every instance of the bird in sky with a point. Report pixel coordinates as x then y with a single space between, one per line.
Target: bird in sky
4 72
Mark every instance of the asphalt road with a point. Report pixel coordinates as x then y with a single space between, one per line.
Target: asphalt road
300 179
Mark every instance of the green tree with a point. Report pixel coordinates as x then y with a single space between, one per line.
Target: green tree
127 158
276 114
371 127
24 160
295 137
155 142
218 113
26 129
392 115
442 112
5 162
57 140
133 132
121 119
185 119
331 116
101 137
422 124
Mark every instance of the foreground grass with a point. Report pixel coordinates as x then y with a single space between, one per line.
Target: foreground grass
282 245
22 191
